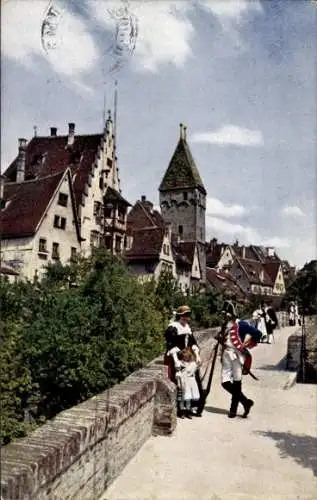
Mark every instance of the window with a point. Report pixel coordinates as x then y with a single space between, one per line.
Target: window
108 242
109 162
42 245
55 251
185 195
97 208
108 212
94 238
101 184
62 199
73 254
180 230
59 222
118 244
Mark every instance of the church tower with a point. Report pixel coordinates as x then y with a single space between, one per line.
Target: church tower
183 198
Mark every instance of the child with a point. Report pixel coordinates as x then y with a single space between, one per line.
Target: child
186 381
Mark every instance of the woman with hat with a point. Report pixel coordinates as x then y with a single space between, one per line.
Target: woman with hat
236 338
179 336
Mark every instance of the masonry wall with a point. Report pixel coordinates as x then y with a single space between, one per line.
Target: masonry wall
79 453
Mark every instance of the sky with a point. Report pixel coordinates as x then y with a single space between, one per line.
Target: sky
241 74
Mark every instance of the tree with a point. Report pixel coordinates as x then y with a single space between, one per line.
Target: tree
304 289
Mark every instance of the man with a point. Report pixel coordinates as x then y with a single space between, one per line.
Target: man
271 321
236 336
178 336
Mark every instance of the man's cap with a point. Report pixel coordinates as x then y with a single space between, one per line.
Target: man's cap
229 308
182 310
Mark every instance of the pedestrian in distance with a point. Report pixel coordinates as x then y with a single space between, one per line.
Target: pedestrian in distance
271 321
236 337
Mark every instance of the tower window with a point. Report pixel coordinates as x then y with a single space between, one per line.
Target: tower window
185 195
180 230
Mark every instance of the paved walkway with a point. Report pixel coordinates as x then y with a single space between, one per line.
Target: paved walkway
271 455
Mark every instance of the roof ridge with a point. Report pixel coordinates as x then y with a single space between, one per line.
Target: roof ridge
147 214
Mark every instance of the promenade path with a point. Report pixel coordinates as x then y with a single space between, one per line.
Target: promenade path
271 455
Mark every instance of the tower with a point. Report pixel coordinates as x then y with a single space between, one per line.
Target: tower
183 198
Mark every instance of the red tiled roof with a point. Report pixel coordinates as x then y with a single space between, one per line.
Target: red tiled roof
253 271
57 157
147 244
142 216
187 249
272 268
225 284
26 203
245 252
214 254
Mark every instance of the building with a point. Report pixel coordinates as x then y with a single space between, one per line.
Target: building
39 224
90 162
183 200
153 248
257 269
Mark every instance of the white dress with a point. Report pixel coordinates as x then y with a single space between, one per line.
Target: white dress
188 382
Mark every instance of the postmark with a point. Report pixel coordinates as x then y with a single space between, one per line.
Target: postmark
49 27
125 37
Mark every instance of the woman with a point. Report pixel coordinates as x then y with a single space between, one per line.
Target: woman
179 336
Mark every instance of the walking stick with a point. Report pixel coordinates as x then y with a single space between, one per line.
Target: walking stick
204 392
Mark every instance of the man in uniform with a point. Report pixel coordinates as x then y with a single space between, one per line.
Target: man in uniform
236 336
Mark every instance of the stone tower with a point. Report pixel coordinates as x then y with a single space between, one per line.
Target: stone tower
183 198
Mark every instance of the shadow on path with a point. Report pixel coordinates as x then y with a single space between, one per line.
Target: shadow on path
302 448
213 409
281 365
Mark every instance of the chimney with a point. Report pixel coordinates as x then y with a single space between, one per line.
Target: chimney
21 160
71 134
270 252
146 204
53 131
243 251
2 179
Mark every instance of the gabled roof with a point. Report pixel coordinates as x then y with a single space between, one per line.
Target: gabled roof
245 252
272 269
143 216
57 156
147 244
187 250
26 204
182 171
114 196
224 283
253 271
214 254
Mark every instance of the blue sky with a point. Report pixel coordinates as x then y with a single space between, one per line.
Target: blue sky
240 74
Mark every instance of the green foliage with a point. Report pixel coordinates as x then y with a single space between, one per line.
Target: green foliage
82 329
304 289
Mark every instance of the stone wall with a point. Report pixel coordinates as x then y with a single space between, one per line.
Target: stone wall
81 451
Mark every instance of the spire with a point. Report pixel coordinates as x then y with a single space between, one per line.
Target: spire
182 171
115 107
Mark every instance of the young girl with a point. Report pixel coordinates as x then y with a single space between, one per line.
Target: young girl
186 381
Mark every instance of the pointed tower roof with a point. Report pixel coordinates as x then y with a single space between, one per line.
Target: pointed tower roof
182 171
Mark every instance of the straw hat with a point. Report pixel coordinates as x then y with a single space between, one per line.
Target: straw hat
182 310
